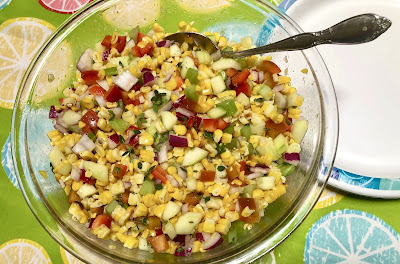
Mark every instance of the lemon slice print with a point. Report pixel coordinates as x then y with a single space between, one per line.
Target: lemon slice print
23 251
351 236
203 6
20 38
131 13
328 198
67 258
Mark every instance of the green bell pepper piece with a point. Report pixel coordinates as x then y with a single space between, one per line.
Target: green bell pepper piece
191 93
191 75
229 106
246 131
119 125
286 169
111 71
147 187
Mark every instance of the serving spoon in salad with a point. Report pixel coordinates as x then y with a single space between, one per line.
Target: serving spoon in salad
355 30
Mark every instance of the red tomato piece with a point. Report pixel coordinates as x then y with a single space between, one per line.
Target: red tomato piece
146 49
160 173
210 125
125 197
190 105
136 100
243 166
140 37
90 77
273 130
137 86
269 66
222 124
88 180
61 100
134 141
86 129
120 44
106 41
119 170
231 72
125 97
207 176
240 77
243 88
90 118
100 220
268 79
97 90
113 94
136 51
159 243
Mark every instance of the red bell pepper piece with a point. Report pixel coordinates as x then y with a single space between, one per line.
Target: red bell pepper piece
160 173
120 44
113 94
90 77
106 41
100 220
97 90
90 119
243 88
269 66
210 125
222 124
240 77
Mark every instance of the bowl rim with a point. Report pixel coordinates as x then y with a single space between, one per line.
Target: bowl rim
241 256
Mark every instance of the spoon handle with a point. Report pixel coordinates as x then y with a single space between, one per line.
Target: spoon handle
355 30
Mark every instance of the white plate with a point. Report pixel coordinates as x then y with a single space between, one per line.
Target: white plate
365 79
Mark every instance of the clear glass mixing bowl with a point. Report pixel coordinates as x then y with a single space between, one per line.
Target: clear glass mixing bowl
259 19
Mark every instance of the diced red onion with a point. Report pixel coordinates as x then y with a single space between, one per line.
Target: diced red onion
292 158
148 78
180 239
157 181
184 112
254 74
182 174
104 55
185 208
280 100
127 185
60 128
53 113
85 62
75 173
117 112
178 102
163 153
183 253
62 183
206 236
261 77
278 87
214 241
259 169
199 237
178 141
101 100
84 144
146 70
198 121
254 175
130 44
164 43
103 84
172 180
166 107
125 80
113 141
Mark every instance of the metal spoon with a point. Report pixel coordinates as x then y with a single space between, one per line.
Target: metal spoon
355 30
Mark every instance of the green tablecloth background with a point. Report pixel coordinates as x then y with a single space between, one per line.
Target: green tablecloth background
382 217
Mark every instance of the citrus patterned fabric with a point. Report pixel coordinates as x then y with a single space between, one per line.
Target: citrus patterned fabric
340 229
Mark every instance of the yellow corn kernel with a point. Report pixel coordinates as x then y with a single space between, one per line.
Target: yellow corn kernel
223 226
177 195
179 160
171 84
294 113
53 134
189 171
266 159
258 194
87 102
231 93
148 200
141 210
131 242
87 155
207 165
209 226
247 212
198 209
200 187
146 155
283 79
171 170
218 135
196 246
174 97
159 210
182 25
180 130
232 216
226 138
146 139
76 185
105 197
226 155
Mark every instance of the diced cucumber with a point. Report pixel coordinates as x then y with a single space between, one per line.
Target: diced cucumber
204 57
191 183
265 91
150 114
216 113
268 148
243 99
99 171
119 125
168 119
191 75
175 51
71 118
293 99
229 106
258 129
248 190
86 190
147 187
266 183
169 229
194 156
229 129
65 169
280 144
191 93
187 63
111 71
143 245
152 129
111 206
187 223
286 168
294 148
218 84
299 130
171 210
246 131
222 74
250 148
224 64
134 33
117 61
56 156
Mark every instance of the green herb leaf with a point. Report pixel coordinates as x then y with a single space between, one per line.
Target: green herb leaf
117 170
120 104
209 135
141 120
288 122
158 100
206 199
180 249
184 169
191 222
179 65
136 131
112 115
259 100
144 221
121 139
92 136
158 186
220 168
163 138
140 165
121 64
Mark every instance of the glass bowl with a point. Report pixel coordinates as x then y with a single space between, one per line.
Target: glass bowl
53 69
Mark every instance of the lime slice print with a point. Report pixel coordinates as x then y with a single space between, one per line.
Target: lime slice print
20 38
63 6
67 258
351 236
7 163
23 251
131 13
203 6
266 259
328 198
4 3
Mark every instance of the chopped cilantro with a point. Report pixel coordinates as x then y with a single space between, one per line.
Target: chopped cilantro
112 115
259 100
129 150
158 100
180 249
149 171
191 222
184 169
117 170
209 135
141 120
179 65
140 165
120 104
206 199
220 149
158 186
163 138
144 221
136 131
266 129
288 122
121 139
121 64
220 168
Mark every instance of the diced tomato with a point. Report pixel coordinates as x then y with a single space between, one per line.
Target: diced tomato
243 88
207 176
97 90
97 210
240 77
231 72
269 80
210 125
192 198
100 220
137 86
190 105
120 44
74 197
255 216
90 118
140 37
160 173
136 51
269 66
134 141
86 129
233 172
159 231
146 49
60 100
119 170
125 197
159 243
106 41
222 124
125 98
136 100
90 77
273 130
88 180
243 166
113 94
154 222
179 81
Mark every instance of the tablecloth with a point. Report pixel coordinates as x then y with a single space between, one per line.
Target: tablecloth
340 229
